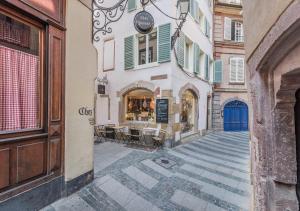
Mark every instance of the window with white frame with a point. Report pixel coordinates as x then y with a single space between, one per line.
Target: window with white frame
233 30
237 70
237 31
147 48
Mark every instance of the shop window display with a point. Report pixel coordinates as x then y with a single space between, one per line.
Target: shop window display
188 108
140 105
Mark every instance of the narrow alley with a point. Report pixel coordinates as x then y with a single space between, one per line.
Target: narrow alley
210 173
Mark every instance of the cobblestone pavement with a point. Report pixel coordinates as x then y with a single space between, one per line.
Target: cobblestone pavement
208 174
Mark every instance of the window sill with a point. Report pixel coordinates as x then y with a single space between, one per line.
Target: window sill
236 83
146 66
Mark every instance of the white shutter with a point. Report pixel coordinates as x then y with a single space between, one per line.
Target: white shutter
227 28
240 70
233 69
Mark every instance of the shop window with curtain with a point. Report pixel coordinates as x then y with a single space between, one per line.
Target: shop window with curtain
20 75
139 105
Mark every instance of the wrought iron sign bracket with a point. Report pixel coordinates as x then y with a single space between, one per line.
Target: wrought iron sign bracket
104 16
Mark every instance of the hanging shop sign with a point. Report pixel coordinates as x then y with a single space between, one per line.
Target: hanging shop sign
162 111
143 22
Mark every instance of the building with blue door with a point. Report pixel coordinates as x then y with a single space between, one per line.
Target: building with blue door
137 70
230 98
236 116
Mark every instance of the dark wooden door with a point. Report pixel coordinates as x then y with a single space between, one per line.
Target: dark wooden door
297 130
34 155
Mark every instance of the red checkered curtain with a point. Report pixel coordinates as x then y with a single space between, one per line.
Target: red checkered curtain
18 90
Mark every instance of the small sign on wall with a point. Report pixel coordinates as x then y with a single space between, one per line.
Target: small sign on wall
101 89
162 111
84 111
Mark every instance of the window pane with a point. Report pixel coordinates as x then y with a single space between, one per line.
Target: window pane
188 111
19 75
187 54
152 47
139 105
237 31
142 49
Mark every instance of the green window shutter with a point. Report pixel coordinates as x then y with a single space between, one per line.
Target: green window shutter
206 67
196 59
164 43
129 52
192 8
180 49
197 14
218 71
131 5
206 28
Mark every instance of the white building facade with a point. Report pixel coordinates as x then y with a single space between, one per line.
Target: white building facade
141 69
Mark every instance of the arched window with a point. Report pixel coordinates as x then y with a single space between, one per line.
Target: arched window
139 105
188 111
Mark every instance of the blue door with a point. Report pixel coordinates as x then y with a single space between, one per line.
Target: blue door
236 116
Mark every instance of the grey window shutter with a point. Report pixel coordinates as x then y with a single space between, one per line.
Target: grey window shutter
180 49
131 5
129 52
218 71
164 43
206 67
196 58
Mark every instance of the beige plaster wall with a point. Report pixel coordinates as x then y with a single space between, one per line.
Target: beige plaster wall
81 71
259 17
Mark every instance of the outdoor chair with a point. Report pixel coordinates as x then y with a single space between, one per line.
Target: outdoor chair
159 140
135 136
99 132
110 132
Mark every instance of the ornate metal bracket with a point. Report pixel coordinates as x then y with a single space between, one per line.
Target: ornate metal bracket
103 16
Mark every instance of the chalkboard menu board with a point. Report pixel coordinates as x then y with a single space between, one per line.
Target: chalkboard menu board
162 111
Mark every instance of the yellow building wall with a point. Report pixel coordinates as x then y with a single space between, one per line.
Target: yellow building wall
260 15
81 71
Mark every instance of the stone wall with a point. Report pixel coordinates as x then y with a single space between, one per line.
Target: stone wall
274 79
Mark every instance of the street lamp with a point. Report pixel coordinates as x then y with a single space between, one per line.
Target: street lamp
183 6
